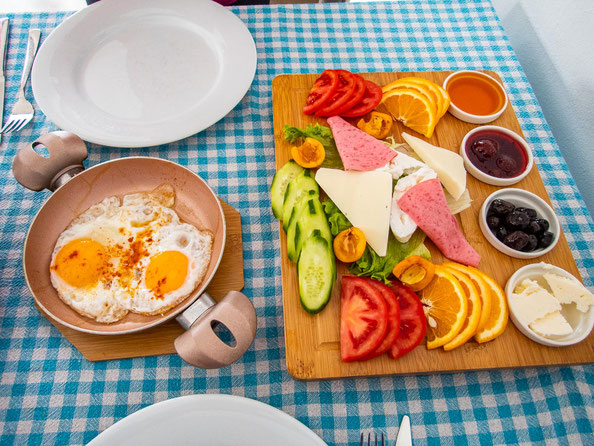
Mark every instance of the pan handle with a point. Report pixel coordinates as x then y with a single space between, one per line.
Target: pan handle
201 347
66 155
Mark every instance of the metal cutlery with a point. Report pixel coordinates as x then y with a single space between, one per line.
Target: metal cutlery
370 440
404 434
22 111
3 45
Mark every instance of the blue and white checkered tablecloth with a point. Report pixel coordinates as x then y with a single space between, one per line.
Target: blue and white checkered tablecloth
50 394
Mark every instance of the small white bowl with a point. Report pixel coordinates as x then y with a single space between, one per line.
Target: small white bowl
468 117
523 198
582 323
489 179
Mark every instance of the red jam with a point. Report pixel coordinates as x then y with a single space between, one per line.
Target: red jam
496 154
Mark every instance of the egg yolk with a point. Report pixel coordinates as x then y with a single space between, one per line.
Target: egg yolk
81 262
166 272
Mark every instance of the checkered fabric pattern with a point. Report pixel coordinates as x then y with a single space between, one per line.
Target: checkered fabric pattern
50 394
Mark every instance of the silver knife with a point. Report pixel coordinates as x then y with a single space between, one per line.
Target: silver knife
404 435
3 45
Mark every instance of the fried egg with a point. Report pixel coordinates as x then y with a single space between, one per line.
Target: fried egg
129 255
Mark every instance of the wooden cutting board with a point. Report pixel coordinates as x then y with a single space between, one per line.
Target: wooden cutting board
312 341
159 340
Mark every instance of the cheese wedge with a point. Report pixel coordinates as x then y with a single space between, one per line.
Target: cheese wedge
567 291
448 165
553 324
531 302
364 198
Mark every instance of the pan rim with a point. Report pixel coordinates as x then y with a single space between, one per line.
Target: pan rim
174 312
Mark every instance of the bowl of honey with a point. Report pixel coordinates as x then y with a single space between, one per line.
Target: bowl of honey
475 97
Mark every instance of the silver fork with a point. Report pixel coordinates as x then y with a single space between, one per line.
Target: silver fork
22 111
370 439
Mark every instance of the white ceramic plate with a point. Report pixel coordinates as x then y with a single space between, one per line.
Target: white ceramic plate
582 323
135 73
209 420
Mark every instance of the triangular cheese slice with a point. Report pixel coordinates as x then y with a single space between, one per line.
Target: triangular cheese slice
448 165
364 198
357 149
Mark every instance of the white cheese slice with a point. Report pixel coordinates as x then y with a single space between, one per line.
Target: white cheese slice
401 224
402 164
530 302
567 291
448 165
364 198
553 324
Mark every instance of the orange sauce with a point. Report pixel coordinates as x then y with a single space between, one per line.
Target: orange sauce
476 94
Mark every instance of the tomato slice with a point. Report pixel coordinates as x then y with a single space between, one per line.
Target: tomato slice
346 87
363 318
393 319
358 92
413 323
320 92
371 99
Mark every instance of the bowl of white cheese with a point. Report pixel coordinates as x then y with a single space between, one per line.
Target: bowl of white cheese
549 305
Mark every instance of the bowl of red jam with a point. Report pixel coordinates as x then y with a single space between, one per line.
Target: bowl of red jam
475 97
496 155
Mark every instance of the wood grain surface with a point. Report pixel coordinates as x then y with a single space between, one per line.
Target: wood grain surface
312 341
159 340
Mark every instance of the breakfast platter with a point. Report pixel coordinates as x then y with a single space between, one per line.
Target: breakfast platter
313 337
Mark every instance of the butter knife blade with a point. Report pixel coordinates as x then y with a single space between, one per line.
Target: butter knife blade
404 434
3 45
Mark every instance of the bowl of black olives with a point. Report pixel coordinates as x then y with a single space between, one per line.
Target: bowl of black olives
519 223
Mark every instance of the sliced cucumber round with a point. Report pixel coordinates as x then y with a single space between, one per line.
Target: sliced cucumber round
279 185
317 272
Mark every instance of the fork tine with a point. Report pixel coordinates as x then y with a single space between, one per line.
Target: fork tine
383 440
361 444
376 439
23 123
8 126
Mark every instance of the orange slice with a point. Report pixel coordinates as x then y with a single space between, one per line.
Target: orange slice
499 315
446 307
481 285
474 311
433 96
494 322
411 108
440 96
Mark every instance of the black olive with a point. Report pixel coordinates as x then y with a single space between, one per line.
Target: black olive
501 207
516 240
507 164
544 224
532 243
531 212
517 220
485 148
501 232
493 222
545 240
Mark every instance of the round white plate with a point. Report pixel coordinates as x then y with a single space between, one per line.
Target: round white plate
135 73
209 420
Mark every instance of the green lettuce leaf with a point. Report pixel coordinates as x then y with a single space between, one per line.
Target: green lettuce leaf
371 264
322 134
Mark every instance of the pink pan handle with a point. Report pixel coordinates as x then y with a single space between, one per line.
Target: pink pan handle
201 347
66 155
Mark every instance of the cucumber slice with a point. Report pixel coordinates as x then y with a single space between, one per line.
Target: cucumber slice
311 218
297 189
317 272
279 185
300 207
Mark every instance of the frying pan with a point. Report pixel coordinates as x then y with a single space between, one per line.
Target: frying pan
76 189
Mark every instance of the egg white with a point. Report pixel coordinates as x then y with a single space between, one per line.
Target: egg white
116 222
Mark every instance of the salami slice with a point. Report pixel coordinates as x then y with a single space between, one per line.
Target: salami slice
358 150
426 204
